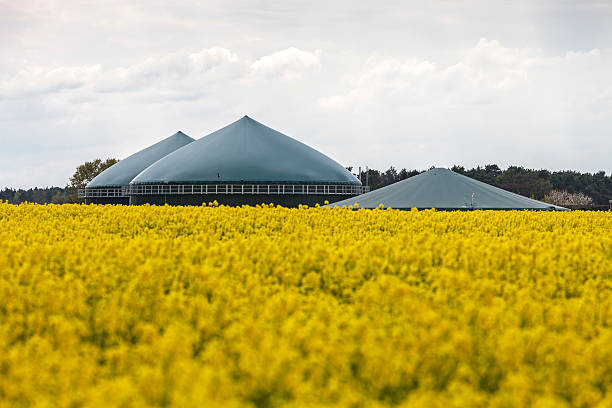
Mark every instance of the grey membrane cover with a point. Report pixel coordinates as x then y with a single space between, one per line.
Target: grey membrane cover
121 173
246 151
444 189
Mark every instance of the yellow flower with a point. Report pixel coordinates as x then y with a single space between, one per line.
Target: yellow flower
268 306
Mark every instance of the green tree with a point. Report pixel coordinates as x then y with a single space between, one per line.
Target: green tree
525 182
487 174
84 174
59 197
404 174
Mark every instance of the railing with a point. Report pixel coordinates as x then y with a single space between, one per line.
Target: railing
104 192
156 189
331 189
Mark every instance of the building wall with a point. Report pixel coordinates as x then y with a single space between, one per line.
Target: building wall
107 200
237 199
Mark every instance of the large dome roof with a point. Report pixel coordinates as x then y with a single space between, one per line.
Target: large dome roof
445 189
121 173
246 151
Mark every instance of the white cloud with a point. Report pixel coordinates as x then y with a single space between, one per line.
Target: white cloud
381 76
495 104
166 74
176 75
485 73
288 64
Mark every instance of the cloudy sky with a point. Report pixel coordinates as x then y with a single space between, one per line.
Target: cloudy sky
381 83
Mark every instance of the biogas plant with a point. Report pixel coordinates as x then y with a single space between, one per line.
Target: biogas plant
248 163
245 162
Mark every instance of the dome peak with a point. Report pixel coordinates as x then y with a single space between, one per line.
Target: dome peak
247 151
121 173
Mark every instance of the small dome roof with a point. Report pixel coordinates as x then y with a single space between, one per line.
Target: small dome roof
121 173
246 151
444 189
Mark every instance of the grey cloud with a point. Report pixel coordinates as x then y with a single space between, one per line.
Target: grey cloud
35 80
163 71
166 71
393 83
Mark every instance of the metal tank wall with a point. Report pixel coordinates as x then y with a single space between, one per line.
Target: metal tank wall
290 201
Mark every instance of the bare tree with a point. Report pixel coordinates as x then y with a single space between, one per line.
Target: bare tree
563 198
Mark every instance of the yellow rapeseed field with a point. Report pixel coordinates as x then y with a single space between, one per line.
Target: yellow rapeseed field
262 307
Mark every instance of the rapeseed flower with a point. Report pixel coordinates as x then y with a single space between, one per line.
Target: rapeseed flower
267 306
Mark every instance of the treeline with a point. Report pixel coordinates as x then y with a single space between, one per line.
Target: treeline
58 195
527 182
47 195
538 183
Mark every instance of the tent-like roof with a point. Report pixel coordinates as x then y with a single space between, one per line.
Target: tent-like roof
121 173
246 152
446 190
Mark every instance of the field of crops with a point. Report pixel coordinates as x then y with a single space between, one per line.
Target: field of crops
216 306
